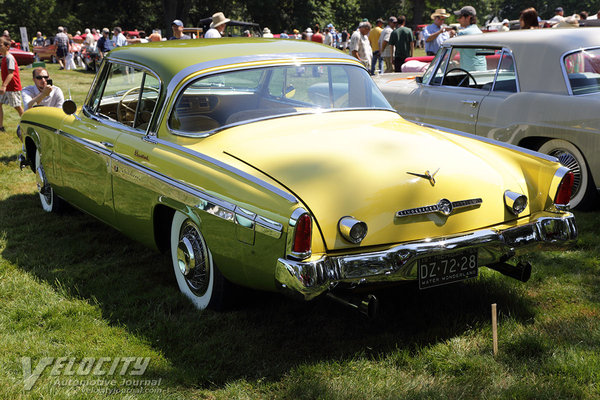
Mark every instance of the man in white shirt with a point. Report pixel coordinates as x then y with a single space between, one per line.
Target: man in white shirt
217 26
41 93
360 46
384 47
118 38
558 16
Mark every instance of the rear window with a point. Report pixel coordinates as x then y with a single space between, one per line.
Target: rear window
234 97
583 71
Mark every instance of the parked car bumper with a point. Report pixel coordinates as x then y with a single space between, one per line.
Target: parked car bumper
308 279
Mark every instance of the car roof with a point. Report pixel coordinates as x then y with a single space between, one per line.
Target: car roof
537 52
169 58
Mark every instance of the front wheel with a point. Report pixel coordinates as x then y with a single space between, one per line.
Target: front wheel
584 191
197 277
49 200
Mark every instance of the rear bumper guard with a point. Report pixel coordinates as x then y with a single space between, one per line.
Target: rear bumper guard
310 278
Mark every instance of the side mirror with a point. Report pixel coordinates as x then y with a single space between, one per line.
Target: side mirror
419 79
69 107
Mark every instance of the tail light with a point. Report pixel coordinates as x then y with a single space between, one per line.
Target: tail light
563 194
303 236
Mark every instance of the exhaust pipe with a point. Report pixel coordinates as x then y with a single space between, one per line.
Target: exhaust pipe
368 306
521 272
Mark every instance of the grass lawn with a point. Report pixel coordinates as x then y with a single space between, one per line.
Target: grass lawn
72 287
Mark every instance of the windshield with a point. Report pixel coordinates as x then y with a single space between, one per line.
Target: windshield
583 71
233 97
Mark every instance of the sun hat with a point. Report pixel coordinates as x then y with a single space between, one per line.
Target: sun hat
218 19
440 12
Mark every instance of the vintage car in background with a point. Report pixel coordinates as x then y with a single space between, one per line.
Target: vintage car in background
279 165
539 89
47 52
21 56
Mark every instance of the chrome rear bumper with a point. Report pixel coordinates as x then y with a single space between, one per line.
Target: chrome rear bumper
310 278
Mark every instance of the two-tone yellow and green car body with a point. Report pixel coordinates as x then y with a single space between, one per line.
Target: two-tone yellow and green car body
278 165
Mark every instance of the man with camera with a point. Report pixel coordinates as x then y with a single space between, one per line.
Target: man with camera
42 93
436 33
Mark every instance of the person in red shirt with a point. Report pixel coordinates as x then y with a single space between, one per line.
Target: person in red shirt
10 91
317 36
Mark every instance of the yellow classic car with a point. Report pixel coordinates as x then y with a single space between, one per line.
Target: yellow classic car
278 165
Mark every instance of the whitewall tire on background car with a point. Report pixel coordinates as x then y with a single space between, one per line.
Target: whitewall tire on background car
196 275
570 156
49 200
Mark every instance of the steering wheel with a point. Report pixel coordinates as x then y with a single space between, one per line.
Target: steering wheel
463 79
123 105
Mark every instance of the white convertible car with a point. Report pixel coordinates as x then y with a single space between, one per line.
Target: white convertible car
538 89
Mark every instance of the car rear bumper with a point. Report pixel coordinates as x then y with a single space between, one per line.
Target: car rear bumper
310 278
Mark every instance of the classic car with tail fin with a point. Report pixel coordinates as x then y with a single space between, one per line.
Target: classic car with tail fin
278 165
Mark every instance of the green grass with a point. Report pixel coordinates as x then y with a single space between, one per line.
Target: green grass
72 287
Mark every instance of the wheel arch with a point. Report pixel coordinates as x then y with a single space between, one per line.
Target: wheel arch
30 148
163 217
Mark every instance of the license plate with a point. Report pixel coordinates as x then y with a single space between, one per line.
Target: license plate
447 268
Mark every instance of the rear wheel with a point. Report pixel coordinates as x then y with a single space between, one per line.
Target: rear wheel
584 193
49 200
197 277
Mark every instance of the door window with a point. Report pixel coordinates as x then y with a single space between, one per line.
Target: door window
468 67
126 95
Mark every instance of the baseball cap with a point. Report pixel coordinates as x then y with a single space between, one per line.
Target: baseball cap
177 22
466 10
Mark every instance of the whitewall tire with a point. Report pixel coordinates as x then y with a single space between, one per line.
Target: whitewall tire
196 275
584 191
49 200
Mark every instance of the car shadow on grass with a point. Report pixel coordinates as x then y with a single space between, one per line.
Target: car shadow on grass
265 335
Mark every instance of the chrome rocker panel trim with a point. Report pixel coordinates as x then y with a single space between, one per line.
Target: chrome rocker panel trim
309 279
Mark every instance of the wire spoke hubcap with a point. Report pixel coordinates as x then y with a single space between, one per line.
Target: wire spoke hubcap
568 160
192 258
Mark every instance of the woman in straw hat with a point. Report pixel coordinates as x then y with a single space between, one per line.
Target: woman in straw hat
217 26
436 33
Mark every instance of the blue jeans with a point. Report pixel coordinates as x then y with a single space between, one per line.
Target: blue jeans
376 61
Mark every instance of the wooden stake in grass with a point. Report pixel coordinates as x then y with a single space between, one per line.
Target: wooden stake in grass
494 330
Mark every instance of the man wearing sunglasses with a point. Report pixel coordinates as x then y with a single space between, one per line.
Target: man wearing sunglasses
42 93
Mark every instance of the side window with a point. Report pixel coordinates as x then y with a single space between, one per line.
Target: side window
583 71
126 95
468 67
441 70
506 80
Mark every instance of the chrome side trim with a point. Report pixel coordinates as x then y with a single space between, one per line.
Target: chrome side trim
490 141
96 147
199 198
266 185
308 279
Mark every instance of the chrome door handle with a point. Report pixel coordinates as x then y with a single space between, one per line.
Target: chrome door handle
472 103
107 144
